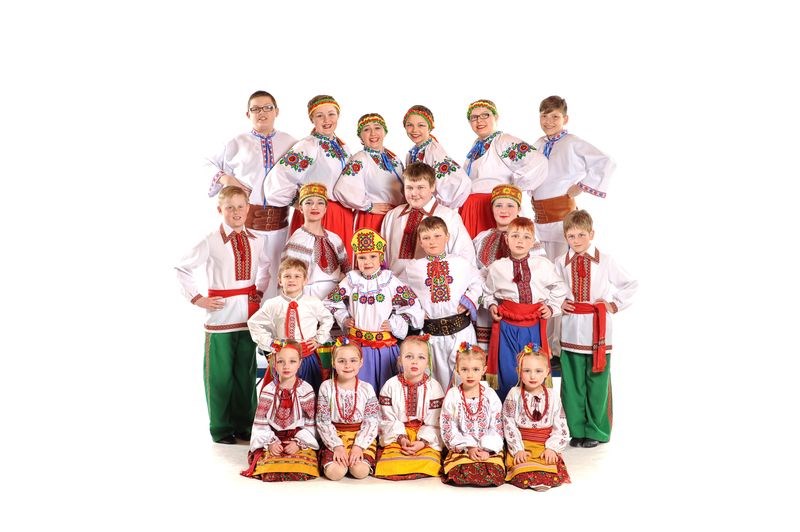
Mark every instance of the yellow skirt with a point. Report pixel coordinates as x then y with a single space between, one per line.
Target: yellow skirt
534 464
304 462
394 465
348 439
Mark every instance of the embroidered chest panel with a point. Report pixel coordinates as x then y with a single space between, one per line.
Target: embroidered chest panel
241 255
439 281
581 278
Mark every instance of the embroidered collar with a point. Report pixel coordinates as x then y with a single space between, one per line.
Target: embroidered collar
227 232
423 145
372 275
488 140
263 136
519 261
427 209
309 233
290 299
441 256
592 252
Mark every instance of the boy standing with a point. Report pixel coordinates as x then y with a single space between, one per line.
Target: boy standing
448 288
521 292
598 286
400 224
237 268
244 161
575 166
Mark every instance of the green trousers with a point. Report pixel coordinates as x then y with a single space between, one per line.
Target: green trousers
229 375
586 396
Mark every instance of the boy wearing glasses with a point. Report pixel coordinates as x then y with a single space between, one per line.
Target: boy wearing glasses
244 161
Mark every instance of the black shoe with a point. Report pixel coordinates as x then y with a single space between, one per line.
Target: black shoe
230 439
589 443
576 442
244 436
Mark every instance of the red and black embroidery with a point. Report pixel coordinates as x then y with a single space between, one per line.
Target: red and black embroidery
493 247
435 403
522 278
385 400
241 252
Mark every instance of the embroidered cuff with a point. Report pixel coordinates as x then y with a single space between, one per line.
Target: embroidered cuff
614 308
591 191
473 310
195 298
216 186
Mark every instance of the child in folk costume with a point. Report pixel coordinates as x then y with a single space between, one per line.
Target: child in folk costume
400 224
411 404
535 427
318 158
598 287
294 316
575 166
375 308
491 245
245 161
452 184
372 182
448 288
496 158
347 417
322 250
237 269
472 425
521 292
283 443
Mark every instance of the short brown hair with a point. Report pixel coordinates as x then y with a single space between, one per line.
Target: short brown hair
418 172
521 224
291 262
431 223
230 191
580 219
260 94
553 103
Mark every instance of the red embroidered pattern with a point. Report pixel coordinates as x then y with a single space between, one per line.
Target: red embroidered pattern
439 280
522 278
581 277
385 400
493 247
435 403
408 244
578 347
241 253
226 327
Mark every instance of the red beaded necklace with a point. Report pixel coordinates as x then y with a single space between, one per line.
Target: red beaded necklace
278 397
348 417
536 416
411 410
472 416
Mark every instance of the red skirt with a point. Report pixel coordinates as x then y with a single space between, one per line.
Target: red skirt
337 219
476 213
368 220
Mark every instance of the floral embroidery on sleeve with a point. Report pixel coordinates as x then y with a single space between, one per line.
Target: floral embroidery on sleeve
352 168
445 168
404 296
296 161
517 151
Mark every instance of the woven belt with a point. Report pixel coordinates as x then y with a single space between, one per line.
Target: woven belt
375 339
267 218
447 326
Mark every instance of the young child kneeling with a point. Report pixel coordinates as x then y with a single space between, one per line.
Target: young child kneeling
410 406
472 426
535 427
347 417
283 443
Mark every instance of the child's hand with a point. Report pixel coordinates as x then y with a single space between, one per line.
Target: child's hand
609 306
567 306
493 311
310 345
275 448
386 326
291 448
415 447
349 322
521 457
477 454
573 191
461 309
211 303
356 454
549 456
340 456
545 313
381 208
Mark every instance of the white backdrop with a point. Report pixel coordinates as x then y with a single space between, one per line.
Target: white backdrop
108 112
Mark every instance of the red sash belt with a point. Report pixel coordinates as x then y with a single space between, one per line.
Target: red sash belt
413 424
286 435
519 315
253 299
347 427
598 332
535 435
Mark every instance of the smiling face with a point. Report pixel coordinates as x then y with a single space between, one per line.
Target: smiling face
263 118
470 369
418 193
234 211
579 239
553 122
533 372
292 281
414 360
504 210
372 136
314 208
520 242
482 122
433 241
368 263
287 362
325 118
417 129
347 362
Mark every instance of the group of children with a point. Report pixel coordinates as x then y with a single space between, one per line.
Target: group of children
474 312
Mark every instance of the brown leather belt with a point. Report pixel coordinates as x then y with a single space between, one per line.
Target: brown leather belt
447 326
553 209
267 218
